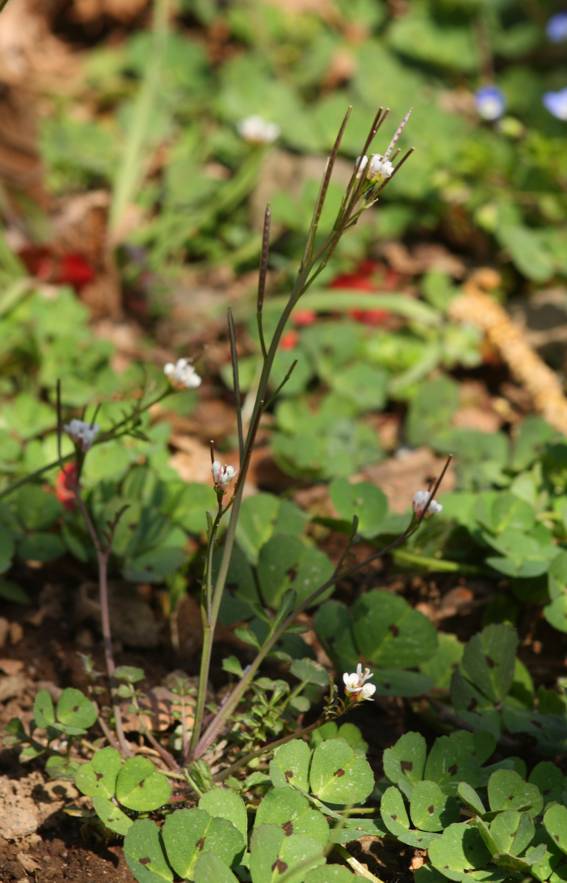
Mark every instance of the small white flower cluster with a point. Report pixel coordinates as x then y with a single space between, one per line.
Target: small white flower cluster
222 475
356 686
182 374
83 434
420 501
376 169
257 130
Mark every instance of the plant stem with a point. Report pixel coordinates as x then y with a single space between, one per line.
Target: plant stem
310 267
102 556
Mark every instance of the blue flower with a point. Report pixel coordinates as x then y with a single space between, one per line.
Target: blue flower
556 103
556 27
490 102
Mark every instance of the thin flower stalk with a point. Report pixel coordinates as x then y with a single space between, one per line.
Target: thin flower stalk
232 701
310 267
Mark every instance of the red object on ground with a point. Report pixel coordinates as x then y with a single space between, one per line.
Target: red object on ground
68 269
289 340
66 485
370 276
302 318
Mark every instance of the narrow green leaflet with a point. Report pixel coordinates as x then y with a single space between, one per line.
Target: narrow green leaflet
43 710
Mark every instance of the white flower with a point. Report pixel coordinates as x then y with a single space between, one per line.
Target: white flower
182 374
222 475
379 168
257 130
82 433
420 501
360 165
355 683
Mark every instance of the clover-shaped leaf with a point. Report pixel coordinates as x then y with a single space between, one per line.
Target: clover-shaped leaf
187 833
292 811
75 711
404 762
430 808
339 774
274 855
459 756
144 853
488 660
555 823
364 500
390 633
140 786
512 831
98 775
507 790
395 817
549 779
347 731
286 562
210 867
290 765
111 815
459 849
222 803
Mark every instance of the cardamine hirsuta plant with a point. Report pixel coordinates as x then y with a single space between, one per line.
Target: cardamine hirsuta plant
306 803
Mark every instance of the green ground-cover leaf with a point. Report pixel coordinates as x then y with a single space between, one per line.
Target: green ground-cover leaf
210 867
363 500
339 774
396 819
273 854
111 815
386 632
223 803
508 791
140 786
187 833
288 562
293 813
98 776
144 853
263 515
290 765
347 731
